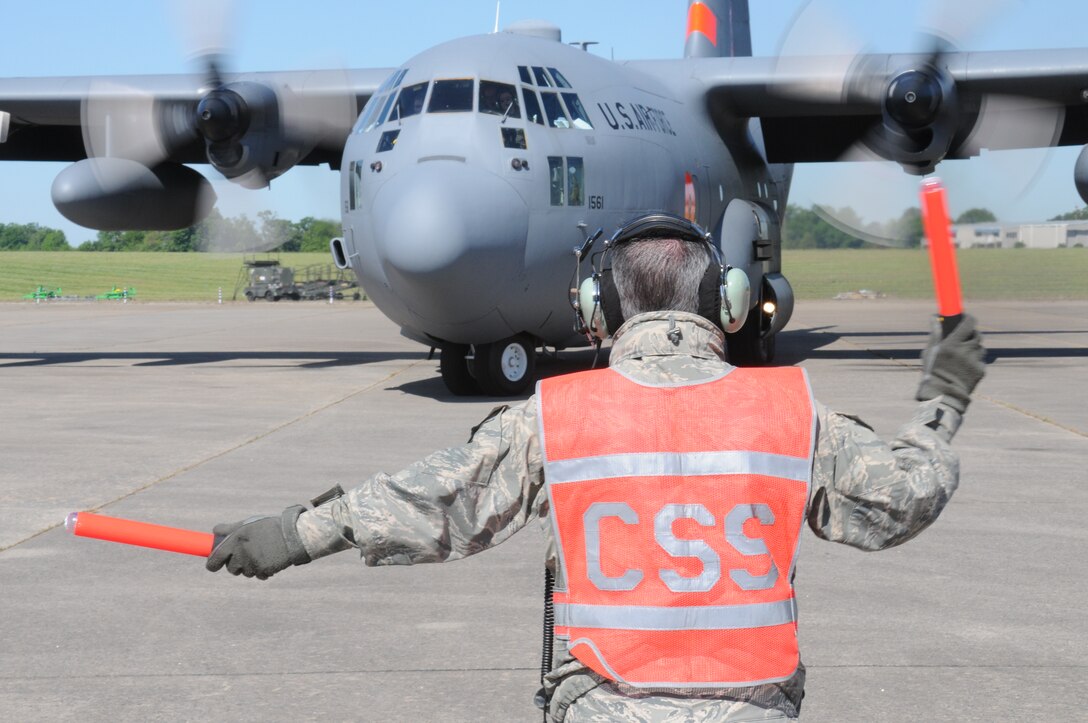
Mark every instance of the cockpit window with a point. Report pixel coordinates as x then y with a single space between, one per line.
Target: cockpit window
560 80
451 96
513 137
372 106
392 81
578 116
388 140
575 181
499 99
379 101
542 78
410 101
532 106
524 73
386 83
556 117
385 109
555 174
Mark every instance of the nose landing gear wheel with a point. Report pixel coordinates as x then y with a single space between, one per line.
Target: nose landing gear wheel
747 348
455 372
506 367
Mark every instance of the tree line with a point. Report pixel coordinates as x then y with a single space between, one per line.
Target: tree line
215 233
809 229
31 237
802 229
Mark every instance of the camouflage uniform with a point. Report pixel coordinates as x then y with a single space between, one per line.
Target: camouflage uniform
459 501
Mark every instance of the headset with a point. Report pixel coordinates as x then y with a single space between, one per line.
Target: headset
724 292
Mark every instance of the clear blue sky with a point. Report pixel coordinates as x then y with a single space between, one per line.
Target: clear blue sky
54 38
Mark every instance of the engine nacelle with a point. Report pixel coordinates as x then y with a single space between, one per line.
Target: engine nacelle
255 132
241 126
920 117
1080 174
116 194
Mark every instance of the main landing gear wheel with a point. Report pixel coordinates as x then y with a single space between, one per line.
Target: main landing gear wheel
506 367
453 364
748 347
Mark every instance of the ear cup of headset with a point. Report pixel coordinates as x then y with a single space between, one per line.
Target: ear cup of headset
710 293
735 299
590 309
611 313
599 302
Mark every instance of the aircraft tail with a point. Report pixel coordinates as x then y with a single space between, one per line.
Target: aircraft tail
718 29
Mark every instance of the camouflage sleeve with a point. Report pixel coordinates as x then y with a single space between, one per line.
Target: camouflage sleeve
873 495
451 504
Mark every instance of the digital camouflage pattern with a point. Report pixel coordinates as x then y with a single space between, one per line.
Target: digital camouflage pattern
459 501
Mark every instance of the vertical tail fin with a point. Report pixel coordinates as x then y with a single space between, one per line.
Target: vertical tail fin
718 29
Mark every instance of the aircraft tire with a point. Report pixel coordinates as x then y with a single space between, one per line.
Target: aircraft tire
455 372
507 367
747 348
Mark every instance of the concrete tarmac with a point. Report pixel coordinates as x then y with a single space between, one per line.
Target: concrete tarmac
190 415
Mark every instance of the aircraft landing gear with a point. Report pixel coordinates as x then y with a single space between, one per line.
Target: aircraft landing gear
454 365
749 347
502 369
506 367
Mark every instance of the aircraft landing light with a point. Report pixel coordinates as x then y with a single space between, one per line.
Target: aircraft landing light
769 307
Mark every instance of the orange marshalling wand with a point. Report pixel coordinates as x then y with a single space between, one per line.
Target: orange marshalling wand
942 255
113 529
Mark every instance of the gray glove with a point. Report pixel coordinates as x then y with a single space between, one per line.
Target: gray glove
259 546
952 366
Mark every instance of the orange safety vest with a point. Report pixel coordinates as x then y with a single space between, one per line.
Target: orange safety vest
677 512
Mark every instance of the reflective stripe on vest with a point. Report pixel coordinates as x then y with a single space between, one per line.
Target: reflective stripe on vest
677 512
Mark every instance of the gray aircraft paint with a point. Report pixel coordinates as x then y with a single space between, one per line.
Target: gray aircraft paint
639 165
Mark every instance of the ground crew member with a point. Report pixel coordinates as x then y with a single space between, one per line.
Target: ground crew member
675 504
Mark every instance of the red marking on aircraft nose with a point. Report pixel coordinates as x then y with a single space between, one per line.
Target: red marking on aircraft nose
701 19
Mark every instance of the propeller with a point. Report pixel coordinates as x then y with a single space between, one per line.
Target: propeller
919 115
249 130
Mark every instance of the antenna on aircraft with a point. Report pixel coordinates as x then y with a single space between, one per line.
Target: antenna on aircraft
584 44
498 4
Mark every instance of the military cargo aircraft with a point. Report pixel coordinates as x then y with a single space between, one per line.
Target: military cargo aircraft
470 171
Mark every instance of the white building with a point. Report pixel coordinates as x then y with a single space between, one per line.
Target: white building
1050 235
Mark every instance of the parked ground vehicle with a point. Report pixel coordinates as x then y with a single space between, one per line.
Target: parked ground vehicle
268 280
265 278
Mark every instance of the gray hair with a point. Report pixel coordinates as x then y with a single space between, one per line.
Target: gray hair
658 274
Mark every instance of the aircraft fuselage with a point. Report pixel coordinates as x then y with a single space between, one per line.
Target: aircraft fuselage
470 178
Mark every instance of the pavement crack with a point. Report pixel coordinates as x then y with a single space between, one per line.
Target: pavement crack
1033 415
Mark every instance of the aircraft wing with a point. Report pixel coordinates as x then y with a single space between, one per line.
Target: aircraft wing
303 115
915 109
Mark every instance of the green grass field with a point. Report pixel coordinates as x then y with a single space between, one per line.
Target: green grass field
905 274
815 274
155 276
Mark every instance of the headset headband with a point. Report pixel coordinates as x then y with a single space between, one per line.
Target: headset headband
660 225
724 292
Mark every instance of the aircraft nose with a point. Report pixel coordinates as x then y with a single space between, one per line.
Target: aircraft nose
452 239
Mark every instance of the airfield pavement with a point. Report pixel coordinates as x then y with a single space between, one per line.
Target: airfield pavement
189 415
